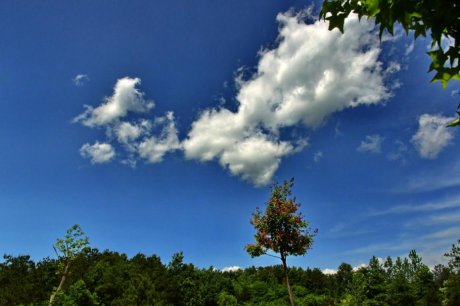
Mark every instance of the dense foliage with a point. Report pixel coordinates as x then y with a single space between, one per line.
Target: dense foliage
111 278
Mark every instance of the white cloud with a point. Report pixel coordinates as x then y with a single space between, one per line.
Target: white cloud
372 144
337 130
445 218
438 219
126 98
136 137
329 271
401 149
392 68
98 153
231 269
450 234
409 49
436 239
312 73
437 177
359 267
155 147
80 79
244 151
255 158
432 135
446 203
127 132
318 155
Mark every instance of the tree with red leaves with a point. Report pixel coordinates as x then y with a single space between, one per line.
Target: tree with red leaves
281 229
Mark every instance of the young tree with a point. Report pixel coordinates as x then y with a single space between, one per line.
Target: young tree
67 250
281 229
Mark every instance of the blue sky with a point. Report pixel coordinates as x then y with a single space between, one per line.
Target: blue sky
159 127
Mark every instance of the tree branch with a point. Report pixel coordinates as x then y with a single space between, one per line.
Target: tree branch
272 255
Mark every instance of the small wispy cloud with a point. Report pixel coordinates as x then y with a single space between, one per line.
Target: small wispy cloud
450 233
398 154
437 219
439 177
432 135
80 79
351 228
438 240
126 98
337 130
371 144
409 48
99 153
231 269
329 271
154 148
317 156
393 67
450 202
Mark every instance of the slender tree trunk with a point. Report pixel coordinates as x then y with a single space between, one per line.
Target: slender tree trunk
291 295
61 283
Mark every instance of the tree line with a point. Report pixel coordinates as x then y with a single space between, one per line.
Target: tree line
111 278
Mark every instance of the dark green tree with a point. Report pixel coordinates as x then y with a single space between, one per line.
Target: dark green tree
451 286
454 257
344 278
281 229
15 279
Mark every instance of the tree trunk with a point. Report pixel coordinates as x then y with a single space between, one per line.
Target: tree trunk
291 295
61 283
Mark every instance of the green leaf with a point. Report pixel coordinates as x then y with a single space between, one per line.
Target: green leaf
372 7
336 21
456 122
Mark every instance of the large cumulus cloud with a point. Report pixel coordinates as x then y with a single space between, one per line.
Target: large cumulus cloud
312 73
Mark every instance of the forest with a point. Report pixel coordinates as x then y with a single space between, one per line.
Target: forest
111 278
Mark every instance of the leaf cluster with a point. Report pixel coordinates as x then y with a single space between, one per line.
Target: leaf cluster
72 244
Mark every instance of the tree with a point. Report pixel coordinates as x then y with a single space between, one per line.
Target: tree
440 18
451 286
281 229
67 250
344 278
454 257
